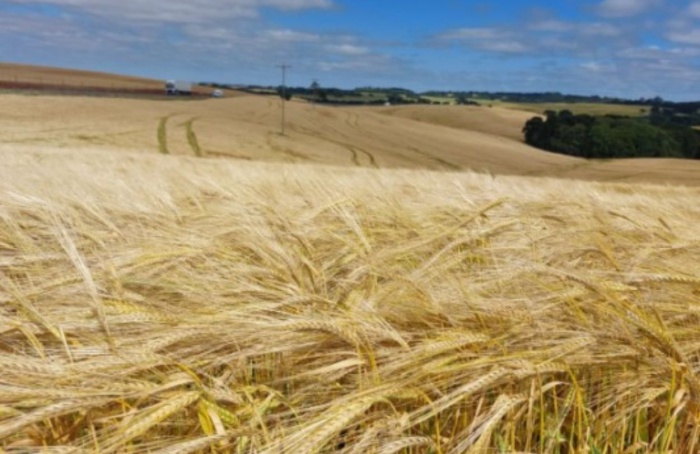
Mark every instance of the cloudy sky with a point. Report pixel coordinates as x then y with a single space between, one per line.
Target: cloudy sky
628 48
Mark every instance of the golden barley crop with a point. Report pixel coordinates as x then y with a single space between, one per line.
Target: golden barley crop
151 303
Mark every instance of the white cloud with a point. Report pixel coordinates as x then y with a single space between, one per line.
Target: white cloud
592 66
684 28
372 63
179 11
472 34
691 36
241 49
576 28
625 8
550 25
486 39
600 29
291 36
505 46
253 42
685 52
348 49
60 34
598 56
694 10
543 37
646 53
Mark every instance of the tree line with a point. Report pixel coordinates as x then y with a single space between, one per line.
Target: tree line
612 136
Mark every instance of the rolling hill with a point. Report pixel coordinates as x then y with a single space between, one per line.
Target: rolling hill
247 127
12 72
34 78
178 277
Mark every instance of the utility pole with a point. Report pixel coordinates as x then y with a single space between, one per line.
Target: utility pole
284 68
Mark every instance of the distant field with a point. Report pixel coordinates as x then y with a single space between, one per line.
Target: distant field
440 99
246 127
41 74
539 108
16 77
498 122
576 108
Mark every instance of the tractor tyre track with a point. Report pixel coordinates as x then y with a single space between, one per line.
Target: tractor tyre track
354 151
370 156
442 162
163 134
352 120
192 138
291 154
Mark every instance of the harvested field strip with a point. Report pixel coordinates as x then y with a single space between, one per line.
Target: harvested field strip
163 135
290 308
192 138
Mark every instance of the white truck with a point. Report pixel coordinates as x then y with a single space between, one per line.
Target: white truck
178 87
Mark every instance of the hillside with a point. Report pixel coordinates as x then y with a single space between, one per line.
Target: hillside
246 127
12 72
31 78
496 121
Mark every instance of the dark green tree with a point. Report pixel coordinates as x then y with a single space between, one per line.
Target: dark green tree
284 93
536 133
319 95
611 136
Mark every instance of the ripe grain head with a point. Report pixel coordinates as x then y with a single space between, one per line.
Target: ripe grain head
322 308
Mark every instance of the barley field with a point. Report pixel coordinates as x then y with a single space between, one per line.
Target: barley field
41 78
165 304
246 128
178 277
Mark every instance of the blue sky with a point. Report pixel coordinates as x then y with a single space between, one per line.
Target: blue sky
627 48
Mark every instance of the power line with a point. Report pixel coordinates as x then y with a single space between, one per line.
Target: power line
284 68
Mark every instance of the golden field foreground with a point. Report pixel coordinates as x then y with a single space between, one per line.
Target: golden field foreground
169 304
